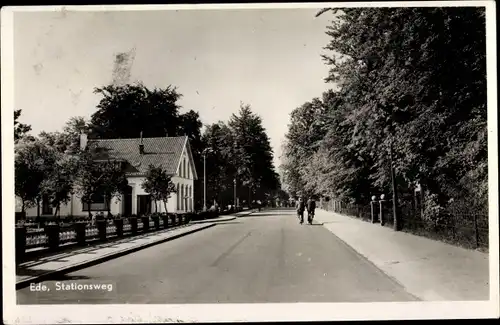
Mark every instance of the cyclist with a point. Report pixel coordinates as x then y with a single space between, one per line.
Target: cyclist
311 207
301 206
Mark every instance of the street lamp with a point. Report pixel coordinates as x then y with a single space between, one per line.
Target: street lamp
209 150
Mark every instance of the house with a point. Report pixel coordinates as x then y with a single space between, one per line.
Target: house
171 153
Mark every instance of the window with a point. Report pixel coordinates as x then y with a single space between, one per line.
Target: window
182 197
98 203
184 167
190 200
178 197
143 205
188 171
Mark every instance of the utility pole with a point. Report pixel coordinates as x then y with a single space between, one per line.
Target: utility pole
204 181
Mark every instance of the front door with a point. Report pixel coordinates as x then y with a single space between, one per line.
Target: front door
127 201
143 204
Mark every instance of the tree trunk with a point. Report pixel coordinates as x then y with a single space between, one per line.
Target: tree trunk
38 208
89 203
23 205
165 203
108 204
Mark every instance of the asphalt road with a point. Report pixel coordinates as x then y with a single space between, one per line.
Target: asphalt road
265 257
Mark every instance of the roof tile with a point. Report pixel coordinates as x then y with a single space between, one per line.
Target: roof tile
161 152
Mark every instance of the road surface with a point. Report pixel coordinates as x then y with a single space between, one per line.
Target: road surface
264 257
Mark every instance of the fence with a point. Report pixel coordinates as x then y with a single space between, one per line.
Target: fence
53 236
459 225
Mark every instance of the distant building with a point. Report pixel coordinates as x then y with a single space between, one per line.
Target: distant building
171 153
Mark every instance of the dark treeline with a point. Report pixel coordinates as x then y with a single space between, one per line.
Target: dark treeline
411 82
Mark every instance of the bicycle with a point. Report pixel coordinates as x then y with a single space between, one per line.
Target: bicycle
310 216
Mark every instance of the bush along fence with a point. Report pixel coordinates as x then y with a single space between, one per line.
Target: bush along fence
459 224
50 235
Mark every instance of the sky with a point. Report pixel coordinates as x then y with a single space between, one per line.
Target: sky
268 58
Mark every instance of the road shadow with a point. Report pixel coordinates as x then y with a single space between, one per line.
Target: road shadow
267 215
67 277
30 272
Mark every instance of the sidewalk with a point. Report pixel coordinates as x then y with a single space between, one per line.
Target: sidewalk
44 268
429 269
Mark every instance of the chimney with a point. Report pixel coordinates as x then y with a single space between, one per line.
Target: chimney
83 140
141 146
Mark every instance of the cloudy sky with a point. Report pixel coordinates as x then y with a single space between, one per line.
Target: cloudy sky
268 58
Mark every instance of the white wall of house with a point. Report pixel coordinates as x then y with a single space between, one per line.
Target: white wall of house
136 184
184 181
73 208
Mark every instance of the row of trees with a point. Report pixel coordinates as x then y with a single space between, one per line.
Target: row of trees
53 166
410 106
239 157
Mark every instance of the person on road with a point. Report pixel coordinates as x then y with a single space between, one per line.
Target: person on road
301 206
311 207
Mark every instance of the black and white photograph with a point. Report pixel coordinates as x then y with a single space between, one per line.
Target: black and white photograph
249 162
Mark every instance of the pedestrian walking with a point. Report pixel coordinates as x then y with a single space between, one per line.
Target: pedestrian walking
301 206
311 207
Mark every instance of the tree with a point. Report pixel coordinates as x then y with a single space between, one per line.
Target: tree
302 141
409 108
31 161
114 182
65 146
414 79
158 184
20 129
220 160
126 111
58 186
253 153
98 178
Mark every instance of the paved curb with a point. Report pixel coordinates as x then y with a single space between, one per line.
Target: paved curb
212 220
26 282
246 213
223 218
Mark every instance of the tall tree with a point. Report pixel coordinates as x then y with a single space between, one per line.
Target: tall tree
221 162
20 129
126 111
34 164
255 169
414 90
94 177
159 185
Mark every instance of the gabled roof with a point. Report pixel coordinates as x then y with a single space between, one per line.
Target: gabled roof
187 149
162 152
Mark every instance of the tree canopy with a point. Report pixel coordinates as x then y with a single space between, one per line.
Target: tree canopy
159 185
239 150
20 129
410 78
